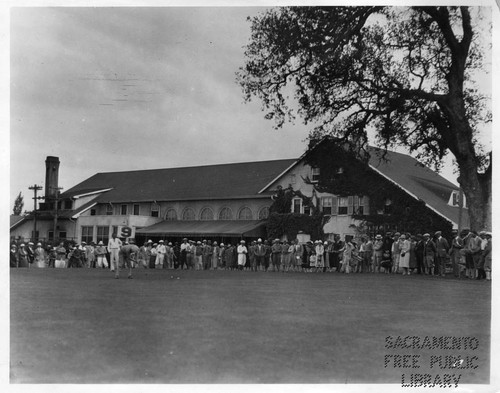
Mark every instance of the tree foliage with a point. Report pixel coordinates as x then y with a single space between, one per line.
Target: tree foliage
18 205
404 72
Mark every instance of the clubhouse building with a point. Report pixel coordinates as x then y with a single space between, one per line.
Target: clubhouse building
221 202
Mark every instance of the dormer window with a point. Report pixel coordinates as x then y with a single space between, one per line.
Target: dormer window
455 199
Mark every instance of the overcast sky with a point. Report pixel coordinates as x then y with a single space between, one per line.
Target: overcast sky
113 89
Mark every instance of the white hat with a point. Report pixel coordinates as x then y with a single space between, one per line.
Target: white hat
30 243
259 239
222 244
326 242
161 241
100 243
21 245
150 241
39 244
242 241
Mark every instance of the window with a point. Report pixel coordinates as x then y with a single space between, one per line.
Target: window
87 234
155 210
264 213
245 214
206 214
51 235
109 209
342 204
315 174
68 204
225 214
171 215
123 210
388 206
93 212
455 199
136 210
327 204
297 205
359 208
103 234
62 235
307 210
115 229
188 214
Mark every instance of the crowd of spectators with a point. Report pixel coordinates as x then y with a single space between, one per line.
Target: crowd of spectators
467 254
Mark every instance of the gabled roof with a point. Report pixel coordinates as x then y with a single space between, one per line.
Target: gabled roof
418 180
15 220
223 181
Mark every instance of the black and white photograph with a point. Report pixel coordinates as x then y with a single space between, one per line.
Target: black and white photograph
250 195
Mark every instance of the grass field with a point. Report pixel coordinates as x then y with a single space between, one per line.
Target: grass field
83 326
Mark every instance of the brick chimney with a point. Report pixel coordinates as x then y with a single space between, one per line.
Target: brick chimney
51 177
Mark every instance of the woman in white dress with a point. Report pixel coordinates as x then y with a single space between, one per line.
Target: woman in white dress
404 256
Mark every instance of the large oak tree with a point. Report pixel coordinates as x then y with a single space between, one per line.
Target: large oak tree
404 73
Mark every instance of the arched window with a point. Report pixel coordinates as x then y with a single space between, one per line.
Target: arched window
206 214
225 214
171 215
264 213
245 214
188 214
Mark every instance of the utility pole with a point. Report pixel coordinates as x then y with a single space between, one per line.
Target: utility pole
35 188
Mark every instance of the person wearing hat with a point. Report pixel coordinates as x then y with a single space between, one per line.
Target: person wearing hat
404 254
242 252
396 252
276 255
230 257
215 256
487 256
480 269
442 248
378 252
190 255
60 261
183 253
387 248
100 254
14 259
260 254
160 255
114 245
320 253
90 255
198 255
143 256
221 263
31 253
129 254
457 244
23 256
40 257
169 255
429 254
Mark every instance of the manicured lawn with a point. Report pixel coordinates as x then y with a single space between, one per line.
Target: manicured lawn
83 326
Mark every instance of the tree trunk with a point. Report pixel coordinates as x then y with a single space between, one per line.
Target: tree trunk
477 190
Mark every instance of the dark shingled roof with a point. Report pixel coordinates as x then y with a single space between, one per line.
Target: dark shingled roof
419 180
200 182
